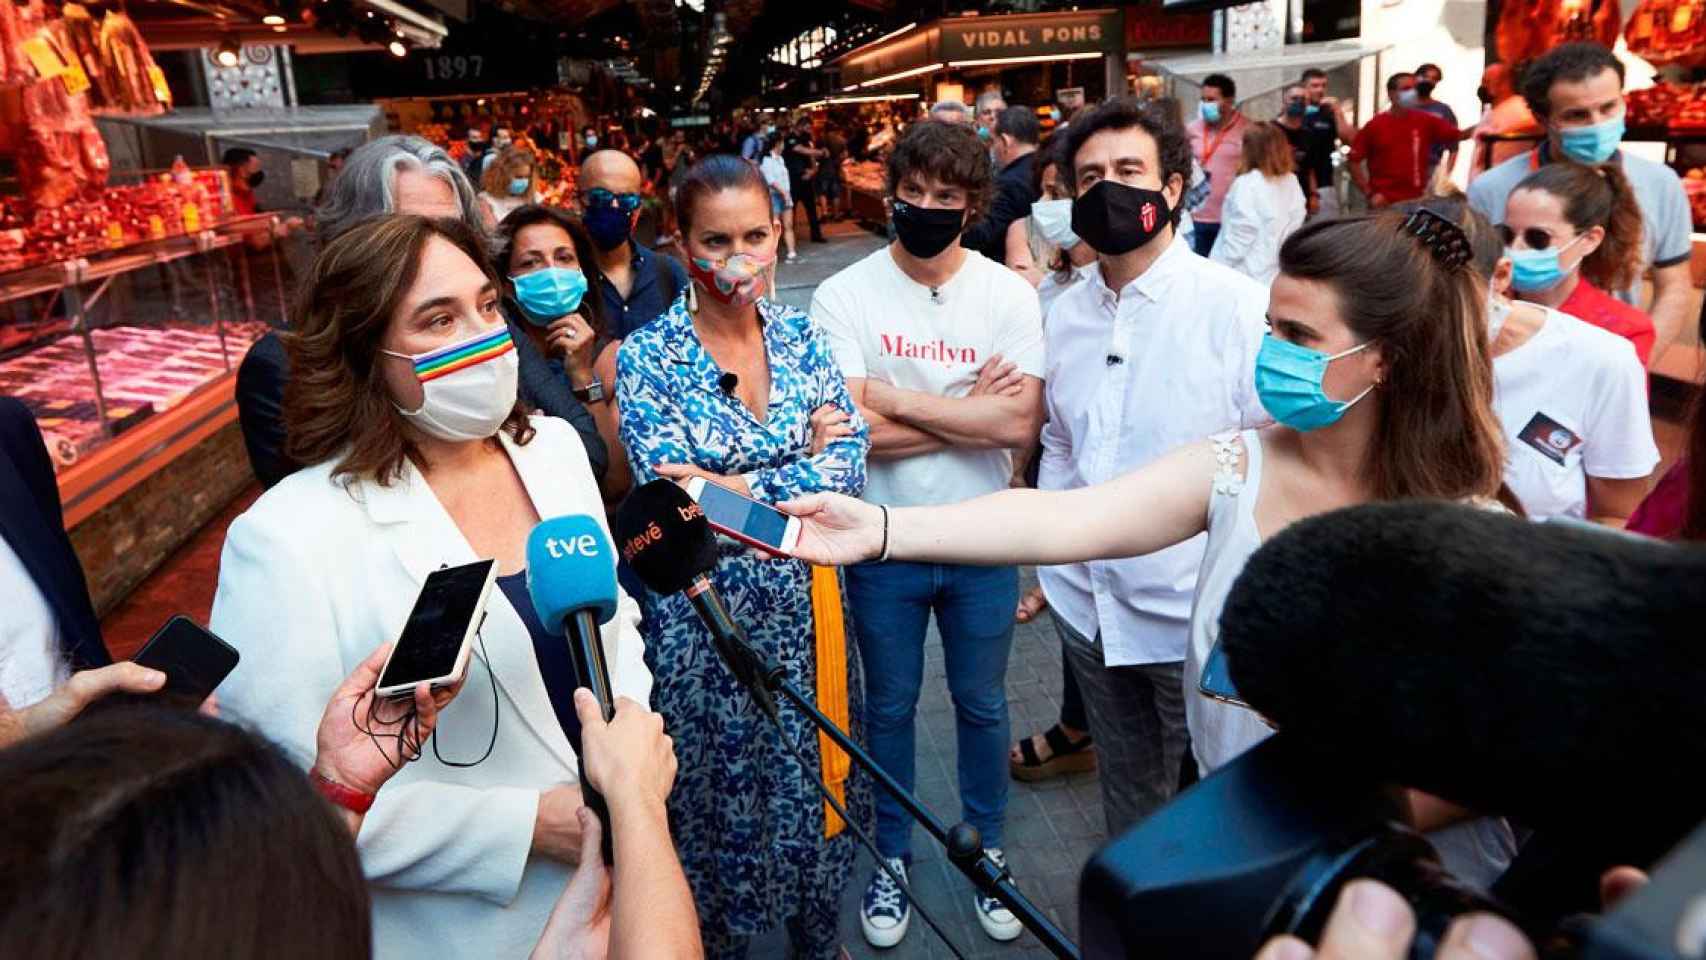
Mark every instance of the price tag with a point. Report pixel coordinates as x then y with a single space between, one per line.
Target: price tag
43 57
192 218
115 233
157 77
156 226
75 80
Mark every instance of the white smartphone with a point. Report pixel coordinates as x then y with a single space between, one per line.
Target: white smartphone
745 519
439 635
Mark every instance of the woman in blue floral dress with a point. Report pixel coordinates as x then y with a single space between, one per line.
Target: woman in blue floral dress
743 391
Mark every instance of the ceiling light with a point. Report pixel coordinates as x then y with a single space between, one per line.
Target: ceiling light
272 19
397 48
229 52
280 28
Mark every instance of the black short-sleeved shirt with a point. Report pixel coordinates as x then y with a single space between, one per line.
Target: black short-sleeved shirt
796 163
1323 140
1301 140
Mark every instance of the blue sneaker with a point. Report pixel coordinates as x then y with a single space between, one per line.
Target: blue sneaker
884 913
992 914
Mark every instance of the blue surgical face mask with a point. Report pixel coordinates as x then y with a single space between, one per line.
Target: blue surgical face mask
1408 98
1592 144
1536 271
1288 382
983 133
592 140
518 186
1312 110
1210 111
1294 108
549 294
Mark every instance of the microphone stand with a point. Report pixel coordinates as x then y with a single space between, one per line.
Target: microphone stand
763 677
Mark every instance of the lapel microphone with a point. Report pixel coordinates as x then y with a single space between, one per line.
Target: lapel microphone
727 382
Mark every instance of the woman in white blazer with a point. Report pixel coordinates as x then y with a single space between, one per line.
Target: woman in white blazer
1263 206
403 399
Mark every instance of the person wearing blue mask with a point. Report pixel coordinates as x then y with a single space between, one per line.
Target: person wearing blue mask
507 184
636 283
1217 141
1326 120
550 264
1576 93
1365 370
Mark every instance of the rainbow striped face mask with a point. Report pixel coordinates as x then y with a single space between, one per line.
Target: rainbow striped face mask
469 387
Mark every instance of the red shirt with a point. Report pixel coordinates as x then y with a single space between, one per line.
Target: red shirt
1594 305
1396 146
1666 508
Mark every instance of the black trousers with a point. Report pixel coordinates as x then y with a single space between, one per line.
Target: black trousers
804 190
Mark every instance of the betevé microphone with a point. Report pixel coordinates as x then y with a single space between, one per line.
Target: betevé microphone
664 536
1545 671
571 578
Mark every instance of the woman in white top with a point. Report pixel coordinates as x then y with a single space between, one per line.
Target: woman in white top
1263 206
507 184
1377 372
403 404
1042 246
775 171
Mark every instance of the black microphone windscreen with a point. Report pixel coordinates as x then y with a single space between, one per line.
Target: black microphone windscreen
1545 670
664 536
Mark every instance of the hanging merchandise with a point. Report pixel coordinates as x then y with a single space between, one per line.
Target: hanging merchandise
138 84
59 152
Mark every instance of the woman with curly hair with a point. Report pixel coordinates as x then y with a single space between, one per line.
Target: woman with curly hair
508 183
418 455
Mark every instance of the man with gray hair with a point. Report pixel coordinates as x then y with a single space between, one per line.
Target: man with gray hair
951 111
990 105
394 174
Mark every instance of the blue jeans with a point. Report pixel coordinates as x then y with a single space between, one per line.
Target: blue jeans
891 605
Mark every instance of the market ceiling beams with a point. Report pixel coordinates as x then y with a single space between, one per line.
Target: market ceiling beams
760 27
309 27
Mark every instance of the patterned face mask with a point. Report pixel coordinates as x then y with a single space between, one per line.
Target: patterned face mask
736 280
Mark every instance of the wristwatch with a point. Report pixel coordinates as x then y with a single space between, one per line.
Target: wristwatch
592 393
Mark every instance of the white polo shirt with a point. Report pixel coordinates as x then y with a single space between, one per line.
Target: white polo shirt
883 324
1573 402
1169 360
31 664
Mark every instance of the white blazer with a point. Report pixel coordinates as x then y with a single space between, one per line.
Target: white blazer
312 580
1257 217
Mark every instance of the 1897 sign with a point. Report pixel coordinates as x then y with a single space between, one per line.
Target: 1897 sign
459 67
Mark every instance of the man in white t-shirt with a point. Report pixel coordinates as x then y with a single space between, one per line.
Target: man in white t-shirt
943 353
1155 349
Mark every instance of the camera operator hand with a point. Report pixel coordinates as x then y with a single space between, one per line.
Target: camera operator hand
649 911
74 696
347 753
1372 922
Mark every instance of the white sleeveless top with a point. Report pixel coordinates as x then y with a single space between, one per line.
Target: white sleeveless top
1477 851
1221 731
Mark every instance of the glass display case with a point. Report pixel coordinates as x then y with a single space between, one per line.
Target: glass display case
128 354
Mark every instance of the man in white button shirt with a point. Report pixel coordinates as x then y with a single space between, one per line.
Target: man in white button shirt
1156 348
943 353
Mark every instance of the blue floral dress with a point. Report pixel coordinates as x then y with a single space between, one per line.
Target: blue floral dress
747 822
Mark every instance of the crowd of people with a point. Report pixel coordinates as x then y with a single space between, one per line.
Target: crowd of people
1166 328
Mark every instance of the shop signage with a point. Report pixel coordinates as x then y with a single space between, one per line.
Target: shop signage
1028 35
1149 27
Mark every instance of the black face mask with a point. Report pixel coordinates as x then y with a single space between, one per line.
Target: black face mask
1424 89
1485 95
925 232
256 178
1114 218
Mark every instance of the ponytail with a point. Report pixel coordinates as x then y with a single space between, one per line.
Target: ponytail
1597 196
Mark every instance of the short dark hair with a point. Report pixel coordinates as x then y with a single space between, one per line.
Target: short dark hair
1124 113
1311 73
533 214
1223 83
1569 63
1020 123
714 174
947 151
1426 67
236 156
1392 81
142 829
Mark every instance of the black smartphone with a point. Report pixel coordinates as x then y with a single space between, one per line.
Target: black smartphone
439 634
1216 679
193 659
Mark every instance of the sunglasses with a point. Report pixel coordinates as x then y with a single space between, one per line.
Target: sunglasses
600 197
1533 238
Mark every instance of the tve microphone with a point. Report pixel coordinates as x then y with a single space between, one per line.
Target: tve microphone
666 539
571 578
1547 671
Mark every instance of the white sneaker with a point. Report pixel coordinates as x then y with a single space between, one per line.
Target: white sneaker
884 913
997 920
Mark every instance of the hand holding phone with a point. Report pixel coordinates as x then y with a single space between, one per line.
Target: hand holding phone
192 658
755 524
437 638
1216 682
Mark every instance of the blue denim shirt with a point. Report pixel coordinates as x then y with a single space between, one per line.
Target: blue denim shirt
646 300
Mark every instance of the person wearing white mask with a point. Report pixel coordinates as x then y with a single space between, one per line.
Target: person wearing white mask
1042 247
403 406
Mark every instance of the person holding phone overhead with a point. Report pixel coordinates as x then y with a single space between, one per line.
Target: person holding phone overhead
743 392
403 403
